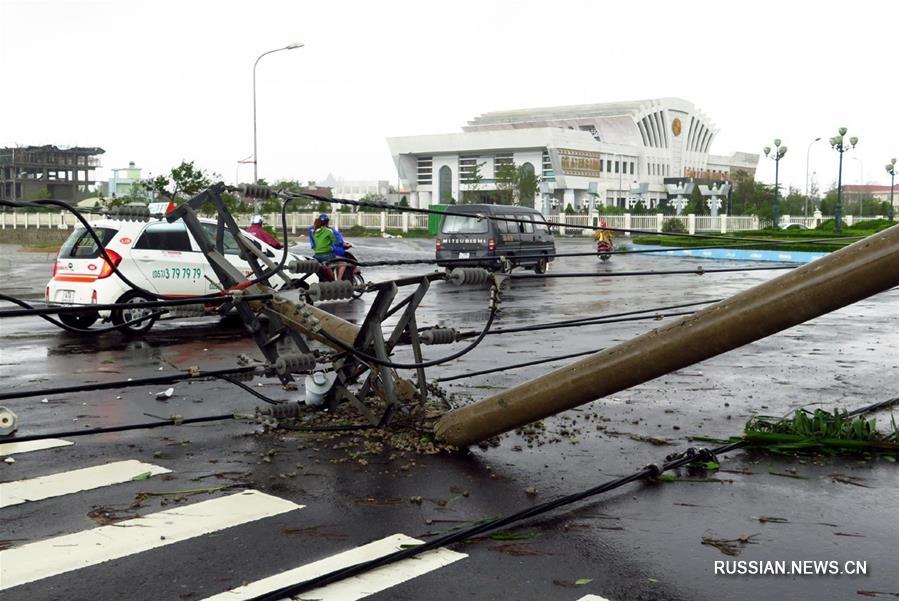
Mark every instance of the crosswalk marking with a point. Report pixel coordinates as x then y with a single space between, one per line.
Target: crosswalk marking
12 448
64 483
356 587
61 554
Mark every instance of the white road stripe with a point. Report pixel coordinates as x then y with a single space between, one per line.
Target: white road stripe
592 598
12 448
50 557
356 587
64 483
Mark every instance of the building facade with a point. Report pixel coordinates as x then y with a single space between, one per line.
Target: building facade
31 172
611 154
123 181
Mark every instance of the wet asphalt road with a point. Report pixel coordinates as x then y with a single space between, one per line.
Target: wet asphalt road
641 542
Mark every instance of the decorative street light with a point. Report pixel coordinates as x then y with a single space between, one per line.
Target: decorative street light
776 155
838 143
891 169
807 154
255 155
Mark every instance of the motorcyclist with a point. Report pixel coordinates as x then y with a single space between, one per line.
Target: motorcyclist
603 235
324 241
257 231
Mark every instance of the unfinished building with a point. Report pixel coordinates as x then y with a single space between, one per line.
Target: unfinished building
34 172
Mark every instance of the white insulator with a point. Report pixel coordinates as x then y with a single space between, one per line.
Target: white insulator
9 422
325 291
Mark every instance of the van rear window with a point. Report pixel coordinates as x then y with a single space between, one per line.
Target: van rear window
463 224
81 245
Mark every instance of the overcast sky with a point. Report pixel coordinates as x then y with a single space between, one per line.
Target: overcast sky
158 81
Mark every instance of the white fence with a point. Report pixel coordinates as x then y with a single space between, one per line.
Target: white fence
570 225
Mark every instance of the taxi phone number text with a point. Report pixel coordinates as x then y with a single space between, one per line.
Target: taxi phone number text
178 273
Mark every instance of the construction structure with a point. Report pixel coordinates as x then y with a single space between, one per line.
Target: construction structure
34 172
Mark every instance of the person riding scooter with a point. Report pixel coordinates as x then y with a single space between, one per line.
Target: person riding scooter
257 231
327 244
604 243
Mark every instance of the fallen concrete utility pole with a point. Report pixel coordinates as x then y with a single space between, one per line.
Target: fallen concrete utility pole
853 273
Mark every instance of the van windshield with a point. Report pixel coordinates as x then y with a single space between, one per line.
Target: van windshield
463 224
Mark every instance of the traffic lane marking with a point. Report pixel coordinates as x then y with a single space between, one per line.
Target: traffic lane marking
64 483
62 554
355 587
13 448
592 598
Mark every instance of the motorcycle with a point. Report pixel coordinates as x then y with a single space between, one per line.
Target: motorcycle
351 273
604 248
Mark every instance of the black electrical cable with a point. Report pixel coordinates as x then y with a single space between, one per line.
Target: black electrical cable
518 365
673 461
249 389
518 258
591 322
148 425
168 379
150 304
593 274
75 330
601 318
372 359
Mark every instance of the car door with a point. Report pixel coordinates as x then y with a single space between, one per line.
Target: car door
526 236
507 235
543 238
168 261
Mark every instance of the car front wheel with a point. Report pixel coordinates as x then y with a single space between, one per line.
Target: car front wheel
122 317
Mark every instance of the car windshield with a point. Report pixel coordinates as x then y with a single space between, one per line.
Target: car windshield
463 224
81 245
229 244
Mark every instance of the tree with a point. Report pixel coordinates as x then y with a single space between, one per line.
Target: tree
182 182
528 183
506 178
474 180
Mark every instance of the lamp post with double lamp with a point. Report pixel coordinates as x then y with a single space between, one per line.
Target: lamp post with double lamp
255 154
838 143
807 155
777 154
891 169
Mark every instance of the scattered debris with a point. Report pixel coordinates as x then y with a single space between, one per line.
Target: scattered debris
165 394
732 546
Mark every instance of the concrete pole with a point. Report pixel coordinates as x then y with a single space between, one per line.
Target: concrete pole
841 278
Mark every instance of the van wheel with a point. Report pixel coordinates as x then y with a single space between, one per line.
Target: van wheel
120 316
78 320
541 265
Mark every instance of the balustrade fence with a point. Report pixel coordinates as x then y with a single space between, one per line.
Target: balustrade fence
388 220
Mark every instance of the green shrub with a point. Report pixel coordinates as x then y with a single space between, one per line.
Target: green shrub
674 226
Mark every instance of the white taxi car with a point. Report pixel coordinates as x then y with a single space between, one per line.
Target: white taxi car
158 256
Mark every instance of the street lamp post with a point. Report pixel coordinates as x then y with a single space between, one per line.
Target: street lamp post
807 155
891 169
777 154
255 155
838 143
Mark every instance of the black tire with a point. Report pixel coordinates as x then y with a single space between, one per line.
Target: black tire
120 316
358 280
79 320
541 265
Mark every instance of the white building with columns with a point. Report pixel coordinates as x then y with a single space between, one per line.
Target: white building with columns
611 153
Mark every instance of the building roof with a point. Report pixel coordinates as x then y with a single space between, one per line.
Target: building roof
77 150
861 188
